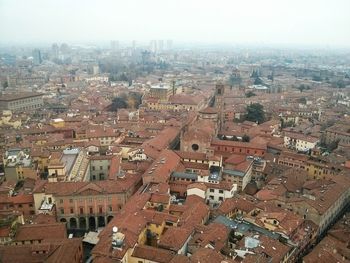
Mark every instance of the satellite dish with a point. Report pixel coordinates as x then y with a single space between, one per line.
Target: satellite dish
115 229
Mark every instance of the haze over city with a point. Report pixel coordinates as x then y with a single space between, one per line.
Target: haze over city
168 131
317 23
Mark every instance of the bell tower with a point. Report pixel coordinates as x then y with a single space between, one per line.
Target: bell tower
219 102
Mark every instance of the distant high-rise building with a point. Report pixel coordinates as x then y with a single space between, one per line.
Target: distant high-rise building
153 46
134 44
160 45
95 69
37 60
64 48
114 45
55 50
169 44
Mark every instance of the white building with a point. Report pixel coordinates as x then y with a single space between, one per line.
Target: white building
300 142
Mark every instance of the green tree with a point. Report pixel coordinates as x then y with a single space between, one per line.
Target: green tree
245 138
302 100
270 77
258 81
316 78
332 145
303 87
5 84
255 113
134 100
340 84
255 74
250 94
118 103
234 138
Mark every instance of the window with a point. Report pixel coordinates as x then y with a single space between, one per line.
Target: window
93 168
61 210
70 200
110 209
71 210
195 147
211 197
30 205
91 210
20 205
211 190
81 210
221 198
61 201
100 209
221 191
101 167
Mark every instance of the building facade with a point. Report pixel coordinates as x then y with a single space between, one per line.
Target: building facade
21 102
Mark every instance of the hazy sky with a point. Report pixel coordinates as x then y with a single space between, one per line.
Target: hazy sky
305 22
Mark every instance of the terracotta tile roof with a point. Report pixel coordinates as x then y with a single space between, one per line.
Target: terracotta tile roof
128 223
44 219
236 159
160 198
175 237
153 254
156 217
191 155
328 250
180 259
22 199
196 212
52 251
273 248
232 204
200 186
184 99
5 231
162 167
238 144
213 234
114 167
101 187
65 250
163 139
199 166
206 255
41 232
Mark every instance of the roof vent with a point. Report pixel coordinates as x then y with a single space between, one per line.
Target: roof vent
117 239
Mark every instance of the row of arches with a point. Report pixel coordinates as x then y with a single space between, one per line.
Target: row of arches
88 223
